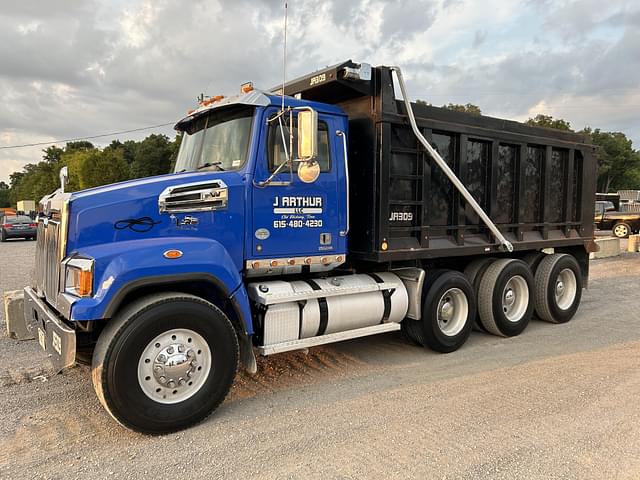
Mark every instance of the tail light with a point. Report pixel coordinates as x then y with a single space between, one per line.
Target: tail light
6 225
33 225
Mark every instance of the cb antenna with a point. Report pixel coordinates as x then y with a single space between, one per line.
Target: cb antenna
284 60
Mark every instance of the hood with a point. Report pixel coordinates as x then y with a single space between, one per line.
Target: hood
130 211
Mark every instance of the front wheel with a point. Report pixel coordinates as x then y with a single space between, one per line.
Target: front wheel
165 362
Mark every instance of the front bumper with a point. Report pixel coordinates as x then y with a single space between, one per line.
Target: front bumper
55 338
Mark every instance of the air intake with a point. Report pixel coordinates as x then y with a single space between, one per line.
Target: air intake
194 197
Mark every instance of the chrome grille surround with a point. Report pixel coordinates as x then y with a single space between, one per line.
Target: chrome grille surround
48 260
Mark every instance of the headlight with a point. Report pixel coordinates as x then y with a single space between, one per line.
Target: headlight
78 278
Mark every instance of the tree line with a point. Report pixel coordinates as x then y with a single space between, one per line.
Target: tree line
90 166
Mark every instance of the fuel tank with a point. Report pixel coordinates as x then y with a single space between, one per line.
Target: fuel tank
287 311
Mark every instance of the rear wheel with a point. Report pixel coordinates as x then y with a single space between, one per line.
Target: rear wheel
3 236
558 283
621 230
165 362
447 314
505 297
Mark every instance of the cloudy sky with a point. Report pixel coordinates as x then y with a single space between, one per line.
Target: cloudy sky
75 68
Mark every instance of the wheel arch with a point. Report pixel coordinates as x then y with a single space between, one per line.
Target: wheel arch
202 285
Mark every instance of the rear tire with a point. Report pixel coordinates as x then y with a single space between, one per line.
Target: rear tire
505 297
3 237
165 362
448 311
558 283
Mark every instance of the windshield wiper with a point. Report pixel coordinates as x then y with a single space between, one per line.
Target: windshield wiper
211 164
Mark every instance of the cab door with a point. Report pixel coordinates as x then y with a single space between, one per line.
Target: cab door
296 219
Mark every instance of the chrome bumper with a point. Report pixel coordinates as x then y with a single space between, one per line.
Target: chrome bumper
55 338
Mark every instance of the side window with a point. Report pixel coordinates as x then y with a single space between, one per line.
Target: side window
276 149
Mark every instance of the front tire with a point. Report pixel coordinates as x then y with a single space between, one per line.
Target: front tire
165 362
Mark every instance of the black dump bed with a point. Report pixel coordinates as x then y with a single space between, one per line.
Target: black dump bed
536 184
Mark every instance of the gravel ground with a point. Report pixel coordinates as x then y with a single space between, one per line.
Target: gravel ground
559 401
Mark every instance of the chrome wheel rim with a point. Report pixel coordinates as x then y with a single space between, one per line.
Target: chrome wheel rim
515 298
453 309
565 289
620 231
174 366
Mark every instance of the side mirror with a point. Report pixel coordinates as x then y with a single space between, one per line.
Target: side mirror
64 178
307 134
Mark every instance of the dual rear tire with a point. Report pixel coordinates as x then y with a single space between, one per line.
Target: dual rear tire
499 296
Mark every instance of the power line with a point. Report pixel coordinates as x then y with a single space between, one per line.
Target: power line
87 138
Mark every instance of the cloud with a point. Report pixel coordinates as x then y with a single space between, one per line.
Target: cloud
80 67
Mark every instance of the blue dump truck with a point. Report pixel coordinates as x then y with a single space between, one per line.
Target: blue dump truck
322 211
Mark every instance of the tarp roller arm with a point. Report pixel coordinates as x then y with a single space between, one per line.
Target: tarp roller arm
506 244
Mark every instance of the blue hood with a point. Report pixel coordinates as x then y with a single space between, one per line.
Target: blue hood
128 211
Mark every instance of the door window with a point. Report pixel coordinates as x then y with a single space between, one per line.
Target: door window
276 148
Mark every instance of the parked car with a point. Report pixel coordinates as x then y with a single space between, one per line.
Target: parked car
17 226
622 224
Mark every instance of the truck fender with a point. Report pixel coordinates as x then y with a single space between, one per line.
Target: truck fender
127 266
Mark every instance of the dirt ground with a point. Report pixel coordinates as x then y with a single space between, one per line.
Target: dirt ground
559 401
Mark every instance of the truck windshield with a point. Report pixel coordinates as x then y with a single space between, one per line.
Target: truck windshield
218 140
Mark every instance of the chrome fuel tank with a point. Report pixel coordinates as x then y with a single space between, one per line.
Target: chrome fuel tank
322 306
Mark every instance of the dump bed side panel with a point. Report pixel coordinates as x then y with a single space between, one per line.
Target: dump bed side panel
538 185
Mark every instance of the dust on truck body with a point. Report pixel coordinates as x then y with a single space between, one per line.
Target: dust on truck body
342 212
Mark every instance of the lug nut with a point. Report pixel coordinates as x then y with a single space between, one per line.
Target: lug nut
162 379
157 368
170 350
190 353
171 384
181 382
194 363
180 348
162 358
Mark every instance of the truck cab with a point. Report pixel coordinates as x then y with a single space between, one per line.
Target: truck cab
261 241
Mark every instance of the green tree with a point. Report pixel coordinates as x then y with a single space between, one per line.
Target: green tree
52 154
466 108
548 121
152 157
618 162
79 145
5 200
101 167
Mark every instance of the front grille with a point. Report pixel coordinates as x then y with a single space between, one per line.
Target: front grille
48 260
